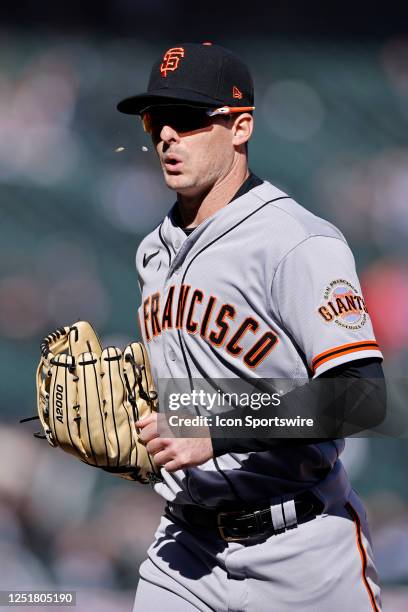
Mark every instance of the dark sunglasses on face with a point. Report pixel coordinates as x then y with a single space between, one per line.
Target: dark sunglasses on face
184 118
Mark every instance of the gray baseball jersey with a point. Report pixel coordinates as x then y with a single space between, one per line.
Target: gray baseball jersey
261 289
264 289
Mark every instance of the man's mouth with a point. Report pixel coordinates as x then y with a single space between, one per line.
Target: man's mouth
172 163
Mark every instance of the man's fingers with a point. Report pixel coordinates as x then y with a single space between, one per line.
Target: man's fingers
172 466
142 423
163 456
148 433
175 454
155 445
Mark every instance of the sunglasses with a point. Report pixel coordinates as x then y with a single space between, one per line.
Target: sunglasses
184 118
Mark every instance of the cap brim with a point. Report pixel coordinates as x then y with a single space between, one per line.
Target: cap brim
135 104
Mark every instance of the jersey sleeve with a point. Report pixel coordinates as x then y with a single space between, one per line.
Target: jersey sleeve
317 298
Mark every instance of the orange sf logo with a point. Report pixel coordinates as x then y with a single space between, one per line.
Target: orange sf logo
171 60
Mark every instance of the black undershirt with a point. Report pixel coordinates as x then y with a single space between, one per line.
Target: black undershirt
249 183
319 397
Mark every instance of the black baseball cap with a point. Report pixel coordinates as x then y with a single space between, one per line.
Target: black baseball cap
198 74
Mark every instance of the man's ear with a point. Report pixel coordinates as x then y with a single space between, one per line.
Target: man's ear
242 129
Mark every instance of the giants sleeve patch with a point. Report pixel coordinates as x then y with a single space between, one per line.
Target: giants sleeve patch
343 305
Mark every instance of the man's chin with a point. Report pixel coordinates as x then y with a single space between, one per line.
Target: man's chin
178 182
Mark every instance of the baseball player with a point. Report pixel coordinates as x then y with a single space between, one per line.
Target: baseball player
240 281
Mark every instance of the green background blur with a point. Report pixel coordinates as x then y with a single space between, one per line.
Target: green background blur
80 187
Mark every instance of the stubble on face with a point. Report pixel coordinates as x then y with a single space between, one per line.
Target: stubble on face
195 162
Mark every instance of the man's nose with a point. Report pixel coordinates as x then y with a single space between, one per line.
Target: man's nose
169 134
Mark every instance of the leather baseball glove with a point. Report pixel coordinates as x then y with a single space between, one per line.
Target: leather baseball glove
88 400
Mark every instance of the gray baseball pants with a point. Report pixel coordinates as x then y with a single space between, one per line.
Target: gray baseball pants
322 565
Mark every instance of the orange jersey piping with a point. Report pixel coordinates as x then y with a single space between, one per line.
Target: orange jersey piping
363 555
344 349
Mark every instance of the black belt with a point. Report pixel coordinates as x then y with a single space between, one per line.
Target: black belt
236 525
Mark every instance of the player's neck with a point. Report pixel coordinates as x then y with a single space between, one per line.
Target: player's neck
196 209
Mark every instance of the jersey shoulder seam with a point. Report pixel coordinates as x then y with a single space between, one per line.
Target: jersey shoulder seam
309 237
276 204
293 217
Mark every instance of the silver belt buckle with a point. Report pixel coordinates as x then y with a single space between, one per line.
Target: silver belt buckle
221 528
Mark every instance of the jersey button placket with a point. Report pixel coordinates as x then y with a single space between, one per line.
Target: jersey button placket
178 262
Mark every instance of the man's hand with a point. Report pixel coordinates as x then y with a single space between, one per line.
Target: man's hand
173 453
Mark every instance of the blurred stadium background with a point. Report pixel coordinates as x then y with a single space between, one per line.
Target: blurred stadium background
79 189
